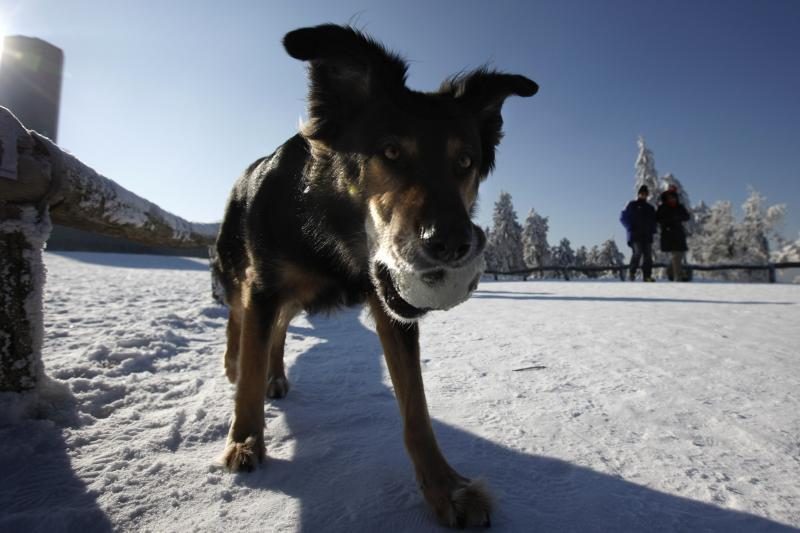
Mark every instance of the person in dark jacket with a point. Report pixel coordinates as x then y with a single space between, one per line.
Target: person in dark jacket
671 215
639 219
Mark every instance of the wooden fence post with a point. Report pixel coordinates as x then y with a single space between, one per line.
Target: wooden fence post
24 228
23 182
23 232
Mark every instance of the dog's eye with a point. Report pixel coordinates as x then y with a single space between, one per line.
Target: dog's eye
391 152
464 161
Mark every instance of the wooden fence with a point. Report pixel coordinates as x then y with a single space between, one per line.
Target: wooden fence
770 268
40 183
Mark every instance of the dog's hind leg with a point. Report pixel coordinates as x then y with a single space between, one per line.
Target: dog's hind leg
277 384
245 446
234 333
456 500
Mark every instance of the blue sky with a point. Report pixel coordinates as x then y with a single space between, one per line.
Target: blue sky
174 99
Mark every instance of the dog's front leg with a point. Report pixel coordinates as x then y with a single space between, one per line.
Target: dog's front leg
245 447
456 500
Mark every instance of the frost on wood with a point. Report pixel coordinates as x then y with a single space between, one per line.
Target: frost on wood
90 201
22 273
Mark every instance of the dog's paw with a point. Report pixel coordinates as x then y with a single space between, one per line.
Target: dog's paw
277 387
467 504
244 456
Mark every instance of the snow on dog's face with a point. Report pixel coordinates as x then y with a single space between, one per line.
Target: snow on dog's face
411 160
425 252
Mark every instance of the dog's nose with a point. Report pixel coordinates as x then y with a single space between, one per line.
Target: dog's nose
447 246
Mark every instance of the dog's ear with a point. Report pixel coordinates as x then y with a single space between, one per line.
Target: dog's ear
346 70
483 92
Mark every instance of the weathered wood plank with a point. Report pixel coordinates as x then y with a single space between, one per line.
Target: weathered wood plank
89 201
81 198
23 232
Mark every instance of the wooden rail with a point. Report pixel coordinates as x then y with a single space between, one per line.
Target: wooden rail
40 183
771 268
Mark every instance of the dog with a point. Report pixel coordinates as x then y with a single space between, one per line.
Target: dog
380 175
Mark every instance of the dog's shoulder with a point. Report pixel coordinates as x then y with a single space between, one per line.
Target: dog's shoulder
274 174
293 220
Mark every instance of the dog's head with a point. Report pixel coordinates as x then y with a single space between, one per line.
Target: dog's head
413 160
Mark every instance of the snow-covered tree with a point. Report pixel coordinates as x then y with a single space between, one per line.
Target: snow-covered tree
715 244
610 254
563 255
582 259
788 253
646 171
694 240
593 259
536 249
505 238
489 254
753 234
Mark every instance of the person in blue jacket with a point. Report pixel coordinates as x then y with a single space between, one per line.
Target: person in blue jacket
639 219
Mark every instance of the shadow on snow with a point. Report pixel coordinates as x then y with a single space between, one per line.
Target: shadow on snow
503 295
40 490
349 470
165 262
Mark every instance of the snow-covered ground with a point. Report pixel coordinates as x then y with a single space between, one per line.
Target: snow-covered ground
601 406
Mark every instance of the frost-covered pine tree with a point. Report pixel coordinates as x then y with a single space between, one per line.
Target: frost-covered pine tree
700 215
610 254
489 255
593 259
789 253
646 171
563 255
582 259
535 248
505 238
753 234
715 244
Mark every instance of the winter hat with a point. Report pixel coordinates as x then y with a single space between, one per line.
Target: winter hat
644 189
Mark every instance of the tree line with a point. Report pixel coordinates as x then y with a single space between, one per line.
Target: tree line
512 247
715 235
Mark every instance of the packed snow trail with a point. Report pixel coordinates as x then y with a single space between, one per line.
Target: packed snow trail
600 406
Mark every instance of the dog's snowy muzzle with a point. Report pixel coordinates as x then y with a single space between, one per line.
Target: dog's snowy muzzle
409 293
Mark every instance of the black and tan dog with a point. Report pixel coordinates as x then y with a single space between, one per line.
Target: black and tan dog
376 168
